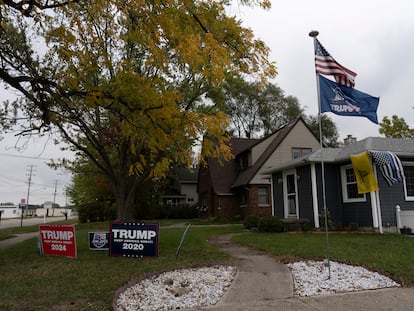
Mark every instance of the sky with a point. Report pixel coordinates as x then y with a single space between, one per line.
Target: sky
374 38
30 159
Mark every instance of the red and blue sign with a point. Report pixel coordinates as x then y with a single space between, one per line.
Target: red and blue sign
131 239
58 240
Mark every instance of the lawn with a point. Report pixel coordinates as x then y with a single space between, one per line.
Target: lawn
390 254
30 281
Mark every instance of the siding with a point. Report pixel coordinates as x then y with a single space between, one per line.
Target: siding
278 195
305 193
390 197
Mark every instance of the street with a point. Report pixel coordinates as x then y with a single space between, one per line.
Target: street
16 222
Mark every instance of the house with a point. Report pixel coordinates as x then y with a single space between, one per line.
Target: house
238 188
298 187
182 189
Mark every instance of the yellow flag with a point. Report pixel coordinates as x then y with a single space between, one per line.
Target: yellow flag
364 173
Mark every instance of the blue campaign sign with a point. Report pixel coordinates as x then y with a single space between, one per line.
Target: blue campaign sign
131 239
98 241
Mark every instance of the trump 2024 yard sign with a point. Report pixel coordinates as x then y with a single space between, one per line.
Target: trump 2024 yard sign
58 240
130 239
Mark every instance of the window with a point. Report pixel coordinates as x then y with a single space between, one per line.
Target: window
243 198
300 152
263 196
349 186
409 181
244 160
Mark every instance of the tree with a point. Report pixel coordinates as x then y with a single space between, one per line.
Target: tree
122 82
258 109
329 130
395 128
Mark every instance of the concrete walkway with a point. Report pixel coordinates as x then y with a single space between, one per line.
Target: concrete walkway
263 284
15 222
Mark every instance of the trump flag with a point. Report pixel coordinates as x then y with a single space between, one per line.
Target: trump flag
346 101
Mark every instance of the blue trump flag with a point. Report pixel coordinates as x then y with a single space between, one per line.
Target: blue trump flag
346 101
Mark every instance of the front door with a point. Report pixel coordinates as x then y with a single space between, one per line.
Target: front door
290 194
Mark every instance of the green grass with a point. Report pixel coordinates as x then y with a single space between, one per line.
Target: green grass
390 254
30 281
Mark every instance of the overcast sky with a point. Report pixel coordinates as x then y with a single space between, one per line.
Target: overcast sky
374 38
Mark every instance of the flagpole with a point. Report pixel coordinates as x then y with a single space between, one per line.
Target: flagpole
314 34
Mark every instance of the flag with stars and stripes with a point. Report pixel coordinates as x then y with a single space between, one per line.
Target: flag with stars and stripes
389 165
325 64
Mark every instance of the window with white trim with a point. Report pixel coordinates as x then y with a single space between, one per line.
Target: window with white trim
300 152
349 185
409 181
263 195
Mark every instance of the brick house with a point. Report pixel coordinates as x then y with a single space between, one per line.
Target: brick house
238 188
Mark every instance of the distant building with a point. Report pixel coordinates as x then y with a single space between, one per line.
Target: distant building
10 210
183 188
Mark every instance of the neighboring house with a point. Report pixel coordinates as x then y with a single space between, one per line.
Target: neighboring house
298 184
238 188
183 189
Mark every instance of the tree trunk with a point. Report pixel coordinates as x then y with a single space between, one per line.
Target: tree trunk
125 190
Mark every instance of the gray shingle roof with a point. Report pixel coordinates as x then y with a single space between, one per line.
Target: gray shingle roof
399 146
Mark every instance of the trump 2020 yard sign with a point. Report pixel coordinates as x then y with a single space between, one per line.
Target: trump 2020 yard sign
131 239
58 240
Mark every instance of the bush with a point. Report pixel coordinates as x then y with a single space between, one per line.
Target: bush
96 211
251 221
156 211
353 226
269 224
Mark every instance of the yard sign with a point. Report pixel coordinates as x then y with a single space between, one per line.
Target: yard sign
130 239
58 240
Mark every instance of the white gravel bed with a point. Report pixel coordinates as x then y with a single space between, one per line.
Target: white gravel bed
196 287
178 289
312 278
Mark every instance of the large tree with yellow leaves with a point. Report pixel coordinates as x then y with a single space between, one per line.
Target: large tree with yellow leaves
127 83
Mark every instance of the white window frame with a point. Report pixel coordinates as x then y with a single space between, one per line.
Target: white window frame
344 183
285 193
407 198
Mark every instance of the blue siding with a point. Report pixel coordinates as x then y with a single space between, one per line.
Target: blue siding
278 195
390 197
305 193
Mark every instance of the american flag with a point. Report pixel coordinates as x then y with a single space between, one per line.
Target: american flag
389 165
325 64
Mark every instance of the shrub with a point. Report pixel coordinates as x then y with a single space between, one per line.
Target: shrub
269 224
353 226
251 221
96 211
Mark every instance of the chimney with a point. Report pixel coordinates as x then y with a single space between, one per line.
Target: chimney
349 140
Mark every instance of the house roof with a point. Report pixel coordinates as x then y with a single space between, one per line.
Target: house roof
228 176
399 146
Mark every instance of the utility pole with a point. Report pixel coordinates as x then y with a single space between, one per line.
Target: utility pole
28 193
54 199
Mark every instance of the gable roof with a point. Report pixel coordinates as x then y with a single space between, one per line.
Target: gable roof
399 146
228 176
